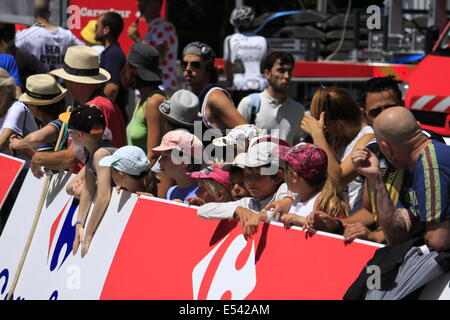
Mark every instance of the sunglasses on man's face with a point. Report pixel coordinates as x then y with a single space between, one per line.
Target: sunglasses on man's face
194 64
375 112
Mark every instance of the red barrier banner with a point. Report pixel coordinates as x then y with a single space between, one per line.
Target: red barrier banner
10 169
168 252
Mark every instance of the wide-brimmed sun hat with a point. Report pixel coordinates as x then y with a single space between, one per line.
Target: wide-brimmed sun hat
42 90
82 65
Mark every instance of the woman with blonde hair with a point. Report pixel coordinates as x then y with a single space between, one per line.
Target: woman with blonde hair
336 125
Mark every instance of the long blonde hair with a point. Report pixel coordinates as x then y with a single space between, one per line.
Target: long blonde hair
214 188
332 201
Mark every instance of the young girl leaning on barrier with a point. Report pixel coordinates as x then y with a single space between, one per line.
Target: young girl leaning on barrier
306 175
130 171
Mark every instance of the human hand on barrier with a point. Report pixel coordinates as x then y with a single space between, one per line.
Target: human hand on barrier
356 231
37 171
196 201
79 236
290 219
280 206
319 220
250 225
139 193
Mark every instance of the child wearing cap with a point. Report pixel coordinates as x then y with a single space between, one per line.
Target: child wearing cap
130 170
180 152
238 139
86 126
263 178
306 175
237 184
213 186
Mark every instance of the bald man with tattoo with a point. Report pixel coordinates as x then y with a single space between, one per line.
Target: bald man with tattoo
423 207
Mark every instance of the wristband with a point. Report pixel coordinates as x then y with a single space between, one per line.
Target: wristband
79 222
269 215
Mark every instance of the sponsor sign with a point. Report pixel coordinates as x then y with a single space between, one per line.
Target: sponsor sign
8 174
148 248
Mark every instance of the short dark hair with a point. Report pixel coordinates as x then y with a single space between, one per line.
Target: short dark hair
271 58
380 84
114 21
42 10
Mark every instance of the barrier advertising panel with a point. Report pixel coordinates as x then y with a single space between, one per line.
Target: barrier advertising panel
148 248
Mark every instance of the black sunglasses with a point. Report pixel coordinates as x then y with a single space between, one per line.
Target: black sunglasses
195 64
375 112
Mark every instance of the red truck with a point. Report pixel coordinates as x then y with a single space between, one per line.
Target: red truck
428 93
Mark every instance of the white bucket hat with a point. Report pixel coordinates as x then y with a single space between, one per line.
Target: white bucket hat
181 108
6 79
42 90
238 134
82 65
129 159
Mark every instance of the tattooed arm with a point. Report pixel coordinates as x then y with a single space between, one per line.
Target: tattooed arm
398 224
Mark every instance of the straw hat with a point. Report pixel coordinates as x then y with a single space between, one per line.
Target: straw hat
82 65
42 90
6 79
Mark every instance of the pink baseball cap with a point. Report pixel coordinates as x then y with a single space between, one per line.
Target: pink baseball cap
181 140
307 159
215 173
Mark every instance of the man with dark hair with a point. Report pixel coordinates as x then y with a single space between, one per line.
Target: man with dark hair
108 29
162 35
47 42
243 53
216 107
272 109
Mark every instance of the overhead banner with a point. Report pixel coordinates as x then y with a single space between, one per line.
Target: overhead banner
10 169
90 10
148 248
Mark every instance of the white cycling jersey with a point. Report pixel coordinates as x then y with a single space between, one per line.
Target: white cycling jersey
48 46
250 49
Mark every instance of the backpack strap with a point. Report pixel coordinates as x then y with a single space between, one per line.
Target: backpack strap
255 103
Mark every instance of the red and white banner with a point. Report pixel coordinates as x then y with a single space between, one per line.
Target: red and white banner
147 248
10 169
90 10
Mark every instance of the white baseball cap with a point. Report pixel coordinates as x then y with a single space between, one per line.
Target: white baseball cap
258 155
129 159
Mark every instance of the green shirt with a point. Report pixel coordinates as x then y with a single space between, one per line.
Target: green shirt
137 128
